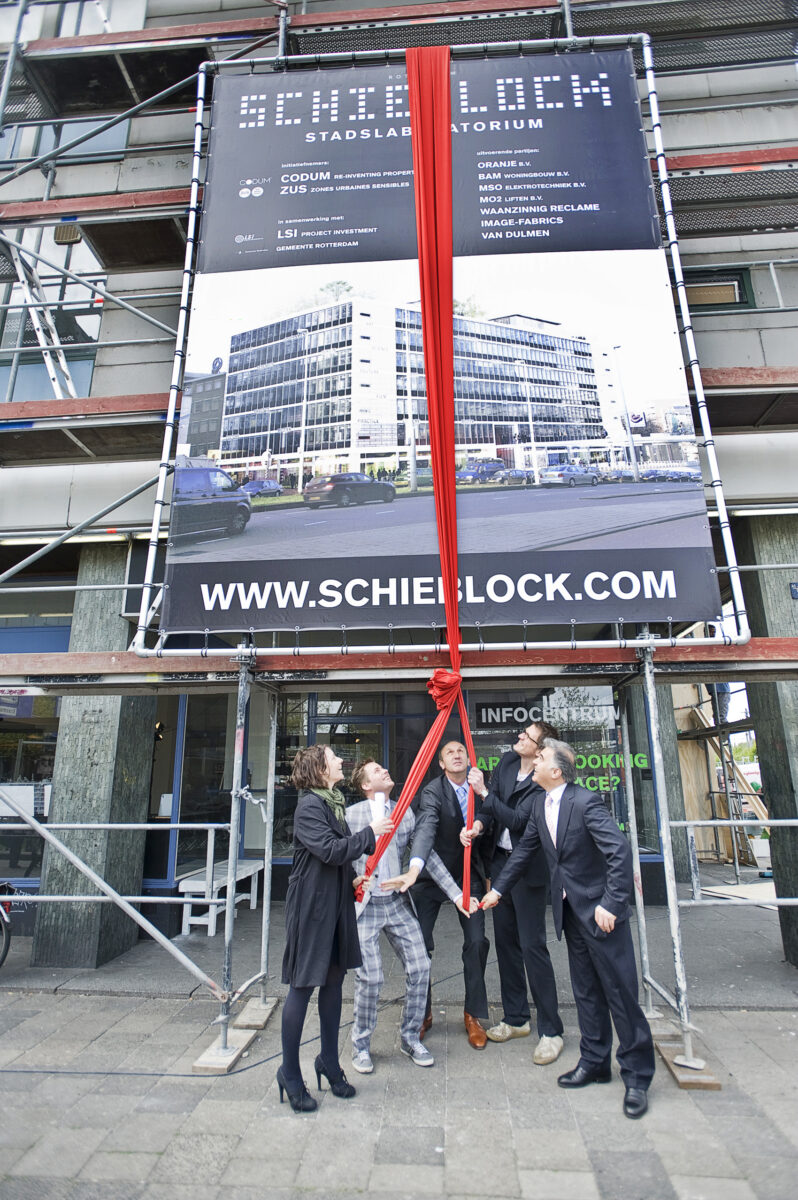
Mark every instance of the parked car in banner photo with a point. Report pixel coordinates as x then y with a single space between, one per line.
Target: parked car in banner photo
262 487
206 500
514 476
568 475
346 489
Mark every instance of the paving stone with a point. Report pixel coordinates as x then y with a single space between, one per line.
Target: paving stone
83 1189
194 1158
419 1180
151 1132
771 1178
58 1153
35 1189
693 1154
631 1175
169 1098
552 1149
558 1185
118 1165
177 1191
255 1172
414 1144
707 1188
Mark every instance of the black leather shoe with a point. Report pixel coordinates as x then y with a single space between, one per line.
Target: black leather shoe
582 1076
635 1103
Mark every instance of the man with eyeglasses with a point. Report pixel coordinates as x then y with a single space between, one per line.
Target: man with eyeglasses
519 923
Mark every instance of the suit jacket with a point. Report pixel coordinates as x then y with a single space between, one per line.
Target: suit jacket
438 824
321 902
592 861
509 805
358 816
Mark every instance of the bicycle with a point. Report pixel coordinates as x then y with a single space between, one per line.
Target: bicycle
5 921
10 898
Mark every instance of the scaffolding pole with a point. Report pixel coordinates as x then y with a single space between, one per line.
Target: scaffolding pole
631 816
114 896
687 1058
238 794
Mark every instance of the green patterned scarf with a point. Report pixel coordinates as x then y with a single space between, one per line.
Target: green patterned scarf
334 800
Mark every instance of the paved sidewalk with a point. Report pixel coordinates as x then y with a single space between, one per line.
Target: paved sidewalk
98 1102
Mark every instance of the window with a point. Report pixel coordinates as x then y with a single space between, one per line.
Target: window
718 289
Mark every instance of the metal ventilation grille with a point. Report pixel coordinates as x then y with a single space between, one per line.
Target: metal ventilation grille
747 185
675 17
394 35
736 31
22 103
745 46
767 219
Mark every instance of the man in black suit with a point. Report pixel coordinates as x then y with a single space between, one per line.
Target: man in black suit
519 922
590 864
439 822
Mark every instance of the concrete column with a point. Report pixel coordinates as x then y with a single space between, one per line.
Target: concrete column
638 733
103 765
774 706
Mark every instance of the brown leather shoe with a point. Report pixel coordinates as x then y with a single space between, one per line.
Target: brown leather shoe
476 1034
426 1025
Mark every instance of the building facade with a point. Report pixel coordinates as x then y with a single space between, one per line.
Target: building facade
342 384
100 215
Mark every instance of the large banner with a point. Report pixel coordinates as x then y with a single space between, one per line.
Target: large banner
303 493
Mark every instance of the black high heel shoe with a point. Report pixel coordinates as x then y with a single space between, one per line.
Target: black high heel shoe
299 1098
339 1086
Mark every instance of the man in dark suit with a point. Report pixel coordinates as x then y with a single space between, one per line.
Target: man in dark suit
519 922
440 820
590 864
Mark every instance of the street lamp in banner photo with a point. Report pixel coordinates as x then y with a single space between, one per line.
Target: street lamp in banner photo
524 365
626 419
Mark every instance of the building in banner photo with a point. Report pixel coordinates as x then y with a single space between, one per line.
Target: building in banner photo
342 385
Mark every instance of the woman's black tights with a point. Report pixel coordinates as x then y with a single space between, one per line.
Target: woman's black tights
294 1011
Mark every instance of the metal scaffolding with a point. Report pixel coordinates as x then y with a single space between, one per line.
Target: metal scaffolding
24 259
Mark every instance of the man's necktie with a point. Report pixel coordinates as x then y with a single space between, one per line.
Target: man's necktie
551 818
462 796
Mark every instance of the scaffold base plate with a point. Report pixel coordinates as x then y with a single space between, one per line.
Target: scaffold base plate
215 1061
685 1077
255 1013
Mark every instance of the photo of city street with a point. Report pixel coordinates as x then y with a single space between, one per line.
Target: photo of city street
614 516
304 429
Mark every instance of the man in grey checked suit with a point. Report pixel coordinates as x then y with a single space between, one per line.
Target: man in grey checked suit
393 913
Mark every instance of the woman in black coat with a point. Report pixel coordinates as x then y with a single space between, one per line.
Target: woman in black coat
320 924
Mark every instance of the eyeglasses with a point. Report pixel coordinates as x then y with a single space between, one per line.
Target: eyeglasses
522 733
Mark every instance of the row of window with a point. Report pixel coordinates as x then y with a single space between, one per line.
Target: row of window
304 325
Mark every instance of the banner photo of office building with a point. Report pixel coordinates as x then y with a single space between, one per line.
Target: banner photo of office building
303 495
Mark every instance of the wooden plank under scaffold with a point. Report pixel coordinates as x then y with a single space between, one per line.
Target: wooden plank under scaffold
686 1078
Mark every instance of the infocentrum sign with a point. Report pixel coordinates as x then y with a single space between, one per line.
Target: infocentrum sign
303 494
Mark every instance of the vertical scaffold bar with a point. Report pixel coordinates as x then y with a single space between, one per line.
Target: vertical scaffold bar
178 364
725 775
687 1059
236 795
741 616
11 61
267 851
640 907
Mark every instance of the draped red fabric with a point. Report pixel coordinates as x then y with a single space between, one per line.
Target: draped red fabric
429 90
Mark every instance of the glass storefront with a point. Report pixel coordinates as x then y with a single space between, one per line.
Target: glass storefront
193 752
28 732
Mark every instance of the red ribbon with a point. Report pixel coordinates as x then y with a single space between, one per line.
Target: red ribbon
429 89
